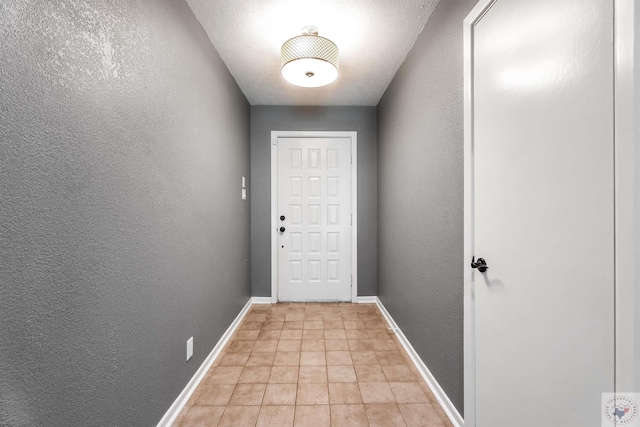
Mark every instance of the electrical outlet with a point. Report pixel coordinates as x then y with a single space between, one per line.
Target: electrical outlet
189 348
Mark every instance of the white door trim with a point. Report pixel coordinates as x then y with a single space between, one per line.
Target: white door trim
274 201
624 163
624 201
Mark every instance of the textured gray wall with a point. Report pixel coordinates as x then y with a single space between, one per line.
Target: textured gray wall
420 196
123 139
264 119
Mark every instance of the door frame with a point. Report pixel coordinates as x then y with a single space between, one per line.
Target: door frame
625 185
353 136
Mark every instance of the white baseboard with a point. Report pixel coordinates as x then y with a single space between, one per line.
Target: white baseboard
177 406
367 300
451 411
261 300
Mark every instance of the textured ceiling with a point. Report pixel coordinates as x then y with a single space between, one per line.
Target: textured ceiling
374 37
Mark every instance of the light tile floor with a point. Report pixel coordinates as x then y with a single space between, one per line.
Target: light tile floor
313 364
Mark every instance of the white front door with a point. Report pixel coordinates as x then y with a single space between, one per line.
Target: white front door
543 212
314 219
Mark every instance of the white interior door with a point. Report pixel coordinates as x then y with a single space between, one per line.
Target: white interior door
314 219
543 194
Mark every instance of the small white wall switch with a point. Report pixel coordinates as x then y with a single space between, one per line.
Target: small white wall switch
244 194
189 348
243 183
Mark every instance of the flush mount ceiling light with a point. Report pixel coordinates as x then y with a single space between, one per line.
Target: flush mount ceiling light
309 60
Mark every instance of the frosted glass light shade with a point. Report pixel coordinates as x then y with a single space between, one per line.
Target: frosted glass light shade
309 61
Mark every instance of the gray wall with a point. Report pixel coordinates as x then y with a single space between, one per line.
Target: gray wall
123 139
265 119
420 196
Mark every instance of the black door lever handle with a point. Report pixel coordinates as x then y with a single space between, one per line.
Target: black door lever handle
481 265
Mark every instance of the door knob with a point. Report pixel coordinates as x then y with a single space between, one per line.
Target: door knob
481 265
282 229
281 217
